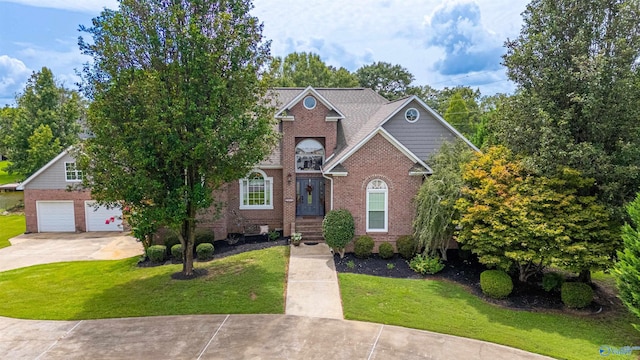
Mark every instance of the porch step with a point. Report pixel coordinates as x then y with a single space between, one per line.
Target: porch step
311 228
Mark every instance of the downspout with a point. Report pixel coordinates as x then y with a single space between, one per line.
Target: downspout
331 180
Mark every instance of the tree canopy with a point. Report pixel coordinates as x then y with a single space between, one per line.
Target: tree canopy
390 81
578 102
45 122
307 69
513 218
179 108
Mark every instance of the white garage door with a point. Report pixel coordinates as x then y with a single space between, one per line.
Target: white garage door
55 216
100 219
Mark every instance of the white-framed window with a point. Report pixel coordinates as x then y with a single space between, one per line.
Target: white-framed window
377 206
412 115
256 191
309 156
71 172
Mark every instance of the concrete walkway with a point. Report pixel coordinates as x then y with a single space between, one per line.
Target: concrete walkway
44 248
312 285
236 337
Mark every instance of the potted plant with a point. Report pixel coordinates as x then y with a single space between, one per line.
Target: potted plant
296 238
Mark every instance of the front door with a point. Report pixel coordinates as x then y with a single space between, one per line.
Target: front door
310 196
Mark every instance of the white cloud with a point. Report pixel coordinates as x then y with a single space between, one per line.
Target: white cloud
90 6
63 64
13 76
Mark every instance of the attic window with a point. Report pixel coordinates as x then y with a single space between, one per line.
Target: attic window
309 102
72 173
412 115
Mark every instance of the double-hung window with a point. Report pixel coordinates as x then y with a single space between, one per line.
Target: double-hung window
256 191
377 206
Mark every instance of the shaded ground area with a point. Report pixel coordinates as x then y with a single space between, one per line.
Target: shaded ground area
224 248
527 296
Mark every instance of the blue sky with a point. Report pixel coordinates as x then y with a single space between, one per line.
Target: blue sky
442 42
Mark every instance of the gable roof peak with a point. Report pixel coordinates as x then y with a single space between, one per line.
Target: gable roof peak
309 90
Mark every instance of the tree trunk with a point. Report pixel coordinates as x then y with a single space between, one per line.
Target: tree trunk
585 276
189 223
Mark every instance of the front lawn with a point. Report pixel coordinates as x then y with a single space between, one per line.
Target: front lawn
248 283
448 308
5 178
11 225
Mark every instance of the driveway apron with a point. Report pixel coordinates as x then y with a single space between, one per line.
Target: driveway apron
44 248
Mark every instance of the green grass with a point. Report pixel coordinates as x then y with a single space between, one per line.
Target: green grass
448 308
252 282
11 225
6 178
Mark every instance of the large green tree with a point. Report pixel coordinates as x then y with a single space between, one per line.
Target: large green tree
390 81
307 69
627 269
578 102
44 108
179 107
435 202
513 218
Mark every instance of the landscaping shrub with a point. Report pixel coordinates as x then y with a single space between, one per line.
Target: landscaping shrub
496 284
157 253
426 265
170 239
385 250
203 236
338 229
576 295
363 247
274 235
407 246
204 251
176 252
552 281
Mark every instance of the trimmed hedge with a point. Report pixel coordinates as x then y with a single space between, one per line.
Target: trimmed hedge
204 251
338 229
407 246
176 252
157 253
363 247
576 295
170 239
385 250
203 236
496 284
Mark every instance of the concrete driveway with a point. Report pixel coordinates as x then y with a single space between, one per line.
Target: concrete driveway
237 337
45 248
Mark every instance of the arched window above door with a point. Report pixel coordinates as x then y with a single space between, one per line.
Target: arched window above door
309 156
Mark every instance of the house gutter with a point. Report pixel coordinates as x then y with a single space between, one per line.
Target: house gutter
331 180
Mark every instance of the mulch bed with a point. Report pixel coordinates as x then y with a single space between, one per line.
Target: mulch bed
467 273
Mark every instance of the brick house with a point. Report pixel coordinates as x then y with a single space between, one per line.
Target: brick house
340 148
